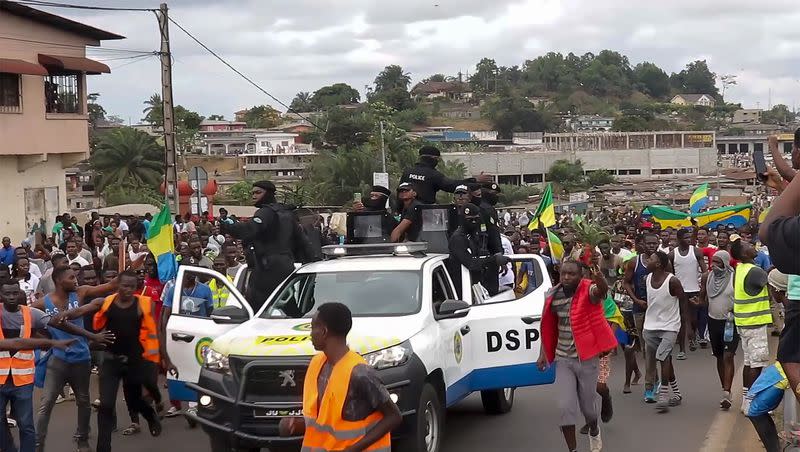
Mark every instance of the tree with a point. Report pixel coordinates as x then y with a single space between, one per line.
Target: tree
154 111
609 74
484 80
333 95
779 114
727 80
651 80
262 117
600 177
240 191
126 193
631 123
96 111
301 103
392 77
695 79
187 124
511 114
514 194
216 118
435 78
127 157
566 174
345 128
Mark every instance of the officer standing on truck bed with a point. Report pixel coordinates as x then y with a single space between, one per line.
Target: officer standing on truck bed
485 197
428 180
273 242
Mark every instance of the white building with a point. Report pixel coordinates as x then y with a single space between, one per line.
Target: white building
277 157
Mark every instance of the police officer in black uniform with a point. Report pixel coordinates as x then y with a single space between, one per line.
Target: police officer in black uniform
485 197
427 179
465 249
375 201
273 241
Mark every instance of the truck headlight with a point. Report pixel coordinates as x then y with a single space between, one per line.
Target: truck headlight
390 357
216 361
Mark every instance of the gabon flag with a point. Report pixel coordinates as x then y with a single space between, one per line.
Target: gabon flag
160 242
546 212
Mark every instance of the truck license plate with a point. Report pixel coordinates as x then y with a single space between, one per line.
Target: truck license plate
262 413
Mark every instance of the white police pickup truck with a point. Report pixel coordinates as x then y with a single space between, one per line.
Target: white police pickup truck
247 368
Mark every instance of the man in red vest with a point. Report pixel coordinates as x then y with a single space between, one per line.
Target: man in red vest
574 335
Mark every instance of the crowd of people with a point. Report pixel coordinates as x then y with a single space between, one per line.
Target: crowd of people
92 297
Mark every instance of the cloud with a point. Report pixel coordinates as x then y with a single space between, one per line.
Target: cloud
299 45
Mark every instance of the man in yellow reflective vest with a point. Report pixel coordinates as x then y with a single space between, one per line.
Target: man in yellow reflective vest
751 312
218 289
345 405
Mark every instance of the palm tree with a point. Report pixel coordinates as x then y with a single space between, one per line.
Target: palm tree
392 77
126 156
154 110
302 103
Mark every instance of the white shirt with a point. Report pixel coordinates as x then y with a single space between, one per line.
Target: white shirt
78 260
624 253
687 270
663 310
508 250
29 287
123 226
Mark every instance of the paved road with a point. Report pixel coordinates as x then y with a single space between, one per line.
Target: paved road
532 425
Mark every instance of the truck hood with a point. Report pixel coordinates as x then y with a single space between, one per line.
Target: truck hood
291 337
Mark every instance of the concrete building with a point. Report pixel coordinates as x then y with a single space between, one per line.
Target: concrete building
627 155
703 100
43 112
591 123
212 125
81 194
455 91
747 116
277 157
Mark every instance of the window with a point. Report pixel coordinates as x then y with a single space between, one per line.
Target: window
442 289
364 292
63 93
758 147
787 147
265 144
744 148
508 179
629 172
733 148
663 171
10 99
721 148
533 178
284 143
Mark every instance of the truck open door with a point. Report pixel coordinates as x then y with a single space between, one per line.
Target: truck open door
188 335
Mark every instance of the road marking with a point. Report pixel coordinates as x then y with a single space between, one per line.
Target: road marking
721 430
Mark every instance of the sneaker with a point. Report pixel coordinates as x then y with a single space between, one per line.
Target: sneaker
692 345
11 423
192 410
675 401
703 343
726 403
96 404
681 356
82 445
746 406
662 406
596 442
649 396
172 412
95 370
584 430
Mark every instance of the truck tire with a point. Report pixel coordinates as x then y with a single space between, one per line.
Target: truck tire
498 401
427 432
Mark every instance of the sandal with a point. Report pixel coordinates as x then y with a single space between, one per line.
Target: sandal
626 389
132 429
636 377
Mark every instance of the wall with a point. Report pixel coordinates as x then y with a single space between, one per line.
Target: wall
221 164
31 132
539 162
46 174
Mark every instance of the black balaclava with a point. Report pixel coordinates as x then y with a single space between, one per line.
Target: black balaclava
489 196
374 204
269 193
470 225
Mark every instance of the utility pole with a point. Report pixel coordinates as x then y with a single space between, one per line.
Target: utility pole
383 152
170 164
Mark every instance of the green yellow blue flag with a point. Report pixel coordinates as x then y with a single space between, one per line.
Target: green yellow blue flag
556 247
160 242
737 216
546 212
699 199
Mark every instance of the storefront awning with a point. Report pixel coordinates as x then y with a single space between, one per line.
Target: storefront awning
21 67
80 64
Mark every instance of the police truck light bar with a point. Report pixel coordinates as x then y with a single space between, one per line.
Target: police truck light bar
409 248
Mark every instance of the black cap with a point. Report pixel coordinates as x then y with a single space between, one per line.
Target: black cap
405 186
265 184
469 209
461 189
429 150
492 186
382 190
474 186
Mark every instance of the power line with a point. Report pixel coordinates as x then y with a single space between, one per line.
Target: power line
129 57
133 60
248 79
66 5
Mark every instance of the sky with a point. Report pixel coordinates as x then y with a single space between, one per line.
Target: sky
288 46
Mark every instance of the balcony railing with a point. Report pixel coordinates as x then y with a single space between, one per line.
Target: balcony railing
10 108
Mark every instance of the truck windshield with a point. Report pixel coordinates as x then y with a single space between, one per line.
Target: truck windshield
366 293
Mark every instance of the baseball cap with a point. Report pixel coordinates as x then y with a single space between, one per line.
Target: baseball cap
265 184
492 186
469 209
734 237
405 186
382 190
461 189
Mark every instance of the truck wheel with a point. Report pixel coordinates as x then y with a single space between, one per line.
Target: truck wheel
498 401
428 430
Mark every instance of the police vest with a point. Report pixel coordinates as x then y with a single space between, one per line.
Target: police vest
148 335
749 311
219 291
21 366
325 428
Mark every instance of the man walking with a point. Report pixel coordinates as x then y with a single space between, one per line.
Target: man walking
345 404
690 267
574 335
751 312
665 298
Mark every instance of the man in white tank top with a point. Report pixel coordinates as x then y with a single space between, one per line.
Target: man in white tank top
690 266
662 321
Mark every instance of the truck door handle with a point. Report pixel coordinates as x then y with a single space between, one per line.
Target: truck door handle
182 337
465 330
528 320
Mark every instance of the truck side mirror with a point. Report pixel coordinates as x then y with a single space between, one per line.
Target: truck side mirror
452 309
229 315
